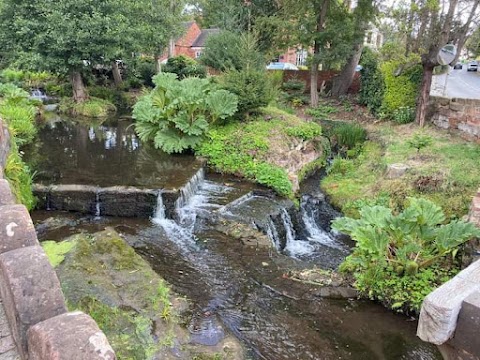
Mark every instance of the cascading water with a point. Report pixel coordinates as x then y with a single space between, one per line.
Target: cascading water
98 211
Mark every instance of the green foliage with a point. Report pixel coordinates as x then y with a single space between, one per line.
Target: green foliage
140 72
322 111
176 114
184 67
349 135
392 246
372 84
305 131
401 86
93 107
293 92
420 141
232 51
112 95
404 115
252 87
20 178
340 166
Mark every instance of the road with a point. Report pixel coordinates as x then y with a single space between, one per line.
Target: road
459 84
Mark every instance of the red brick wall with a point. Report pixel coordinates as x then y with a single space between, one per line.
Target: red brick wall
184 45
326 76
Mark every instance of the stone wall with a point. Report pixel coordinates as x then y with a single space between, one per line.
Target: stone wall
450 315
462 115
32 297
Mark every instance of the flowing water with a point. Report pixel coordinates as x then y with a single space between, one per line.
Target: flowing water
242 289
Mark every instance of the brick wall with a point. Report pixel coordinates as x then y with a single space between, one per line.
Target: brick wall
183 45
462 115
324 77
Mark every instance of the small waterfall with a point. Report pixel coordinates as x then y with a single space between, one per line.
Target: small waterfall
98 211
189 190
160 209
272 233
294 247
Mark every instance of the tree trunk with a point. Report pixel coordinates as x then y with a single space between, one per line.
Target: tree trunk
117 76
158 63
79 91
314 77
344 80
424 94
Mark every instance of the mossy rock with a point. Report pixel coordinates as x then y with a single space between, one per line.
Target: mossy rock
103 276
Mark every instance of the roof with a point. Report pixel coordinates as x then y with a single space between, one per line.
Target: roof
200 40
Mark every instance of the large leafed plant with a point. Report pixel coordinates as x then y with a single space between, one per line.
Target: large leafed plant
398 259
175 115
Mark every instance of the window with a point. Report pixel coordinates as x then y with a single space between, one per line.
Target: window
198 53
301 57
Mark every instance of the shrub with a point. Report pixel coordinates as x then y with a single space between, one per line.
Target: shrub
232 51
372 87
252 87
398 259
401 86
322 111
420 141
404 115
184 67
176 114
140 72
305 131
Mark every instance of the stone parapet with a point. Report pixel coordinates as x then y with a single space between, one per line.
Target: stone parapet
450 315
31 294
462 115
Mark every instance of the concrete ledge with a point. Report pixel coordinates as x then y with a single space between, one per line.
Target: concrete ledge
6 196
16 228
440 309
468 325
30 290
71 336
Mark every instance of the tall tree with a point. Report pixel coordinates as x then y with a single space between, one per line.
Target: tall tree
362 17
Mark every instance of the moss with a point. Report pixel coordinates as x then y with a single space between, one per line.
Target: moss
253 149
93 107
56 251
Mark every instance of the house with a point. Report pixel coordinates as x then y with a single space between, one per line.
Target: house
191 43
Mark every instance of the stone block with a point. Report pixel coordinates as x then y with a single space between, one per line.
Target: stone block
70 336
127 202
16 228
468 326
30 291
6 196
42 193
395 171
4 144
440 309
79 198
170 198
455 106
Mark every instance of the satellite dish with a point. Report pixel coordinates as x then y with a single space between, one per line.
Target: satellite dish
447 54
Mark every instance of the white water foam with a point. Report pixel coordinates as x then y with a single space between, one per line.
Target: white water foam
317 234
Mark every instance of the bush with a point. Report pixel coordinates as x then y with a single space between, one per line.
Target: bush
184 67
398 259
112 95
252 87
176 114
231 51
372 87
404 115
401 86
322 111
140 72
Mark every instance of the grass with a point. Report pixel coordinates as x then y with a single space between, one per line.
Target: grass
56 251
445 171
93 107
252 149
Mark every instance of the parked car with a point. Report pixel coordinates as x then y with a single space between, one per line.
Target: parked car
281 66
472 66
458 66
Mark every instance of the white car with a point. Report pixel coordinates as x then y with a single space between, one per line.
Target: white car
281 66
472 66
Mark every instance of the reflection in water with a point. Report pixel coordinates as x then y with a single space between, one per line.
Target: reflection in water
104 154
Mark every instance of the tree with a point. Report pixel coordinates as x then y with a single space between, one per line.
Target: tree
432 24
362 17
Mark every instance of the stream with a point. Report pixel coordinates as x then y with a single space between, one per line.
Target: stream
235 287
